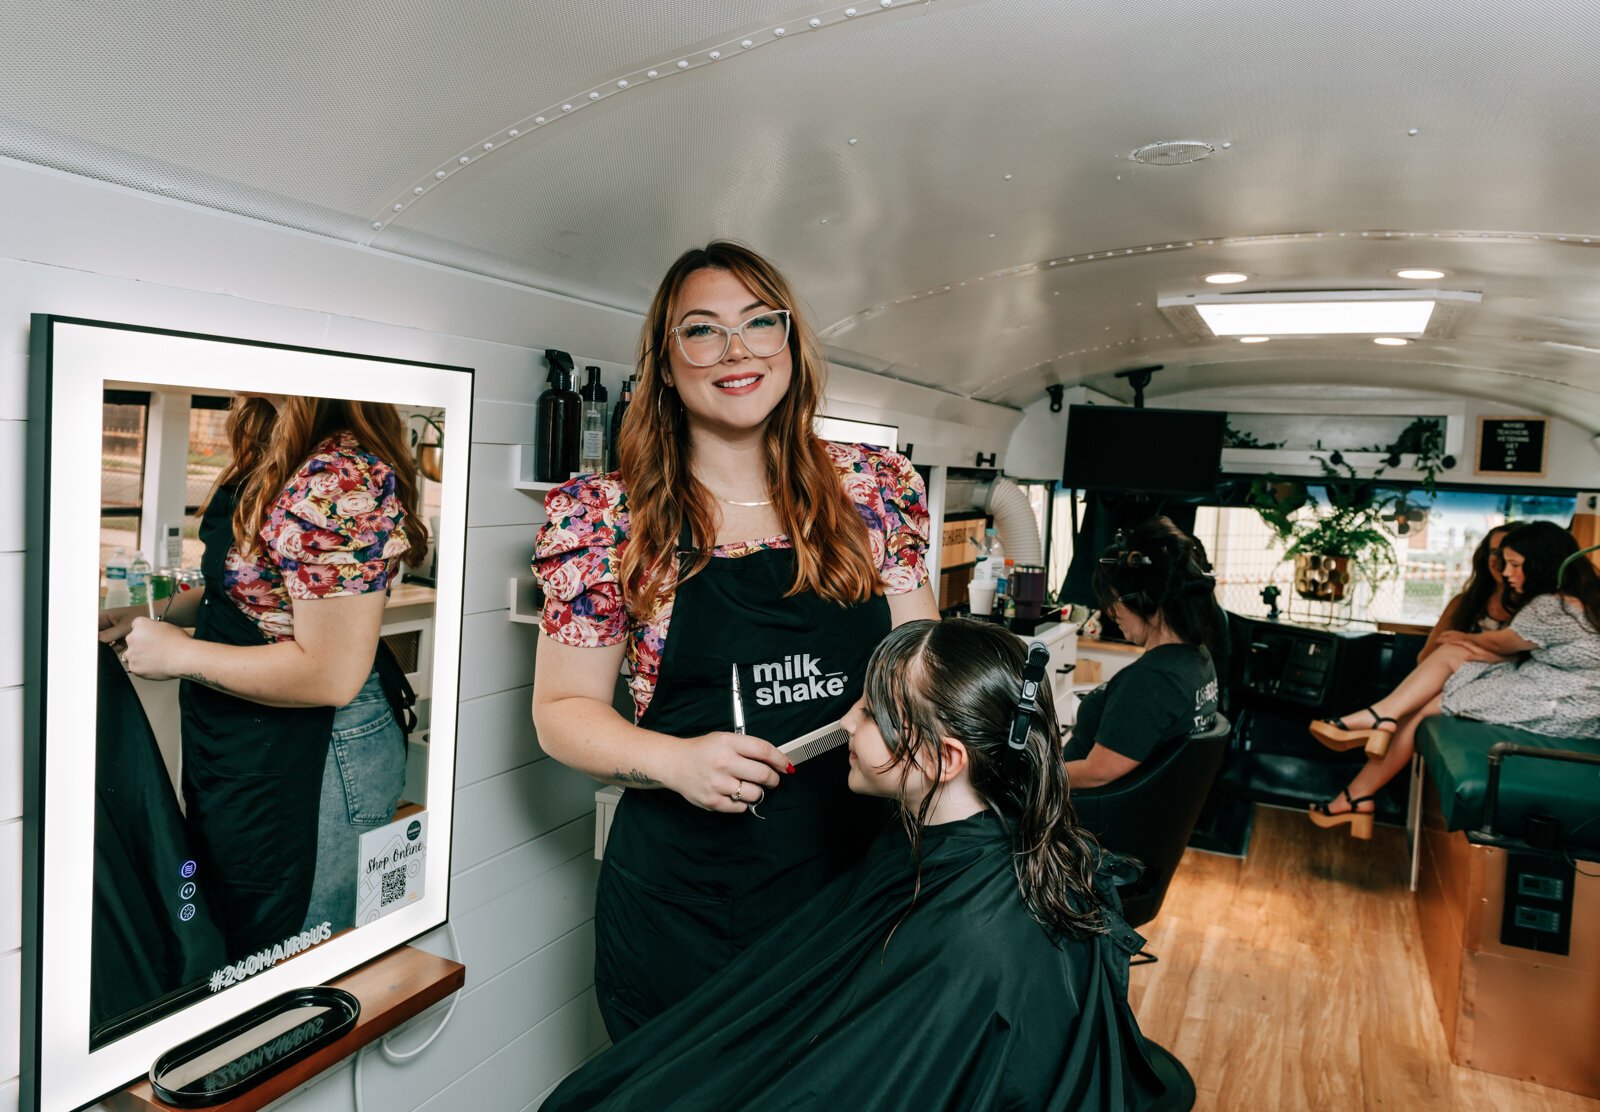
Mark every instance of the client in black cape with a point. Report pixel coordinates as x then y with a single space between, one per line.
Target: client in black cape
973 960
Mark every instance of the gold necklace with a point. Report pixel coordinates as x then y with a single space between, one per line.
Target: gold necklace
732 502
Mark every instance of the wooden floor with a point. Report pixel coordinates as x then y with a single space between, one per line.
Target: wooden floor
1294 979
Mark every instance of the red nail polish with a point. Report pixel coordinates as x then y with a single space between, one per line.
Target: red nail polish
791 770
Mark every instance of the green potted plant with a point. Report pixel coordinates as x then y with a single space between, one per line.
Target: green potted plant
1346 541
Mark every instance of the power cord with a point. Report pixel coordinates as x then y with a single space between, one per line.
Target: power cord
398 1057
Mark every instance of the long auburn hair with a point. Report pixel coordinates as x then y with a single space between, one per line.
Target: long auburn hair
1158 568
832 549
1544 547
1481 587
962 679
270 442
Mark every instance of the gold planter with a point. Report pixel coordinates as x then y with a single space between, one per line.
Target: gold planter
1321 578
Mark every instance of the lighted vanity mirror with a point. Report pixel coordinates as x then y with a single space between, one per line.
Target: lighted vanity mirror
240 760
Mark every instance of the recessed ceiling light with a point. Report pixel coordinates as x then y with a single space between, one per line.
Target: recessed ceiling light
1418 273
1227 278
1390 341
1254 339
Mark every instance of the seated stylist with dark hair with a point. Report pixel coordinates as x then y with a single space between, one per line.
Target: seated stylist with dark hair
1155 586
730 538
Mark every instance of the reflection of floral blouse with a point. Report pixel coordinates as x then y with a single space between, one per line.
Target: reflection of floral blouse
578 554
336 528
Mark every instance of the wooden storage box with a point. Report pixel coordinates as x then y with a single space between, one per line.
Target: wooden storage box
1506 1010
954 546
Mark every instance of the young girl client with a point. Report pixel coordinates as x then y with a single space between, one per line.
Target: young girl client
973 959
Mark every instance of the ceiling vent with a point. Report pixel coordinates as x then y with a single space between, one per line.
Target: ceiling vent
1172 152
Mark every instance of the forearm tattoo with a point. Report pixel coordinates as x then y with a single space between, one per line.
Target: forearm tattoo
633 778
207 681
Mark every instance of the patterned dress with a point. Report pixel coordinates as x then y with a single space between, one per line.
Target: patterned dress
578 554
1555 690
336 528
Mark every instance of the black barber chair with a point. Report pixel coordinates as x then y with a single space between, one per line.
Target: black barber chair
1148 815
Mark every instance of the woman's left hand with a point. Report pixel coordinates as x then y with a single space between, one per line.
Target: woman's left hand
1457 637
155 649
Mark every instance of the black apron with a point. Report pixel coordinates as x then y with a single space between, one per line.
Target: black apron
682 891
252 776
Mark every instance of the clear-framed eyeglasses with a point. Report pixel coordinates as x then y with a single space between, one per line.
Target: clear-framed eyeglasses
705 344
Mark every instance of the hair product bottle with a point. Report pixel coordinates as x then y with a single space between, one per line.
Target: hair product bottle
560 422
618 411
592 453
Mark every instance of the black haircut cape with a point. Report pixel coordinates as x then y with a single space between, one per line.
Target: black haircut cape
971 1005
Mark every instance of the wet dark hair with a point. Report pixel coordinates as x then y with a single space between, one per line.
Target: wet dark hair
1158 568
1544 546
962 679
1480 587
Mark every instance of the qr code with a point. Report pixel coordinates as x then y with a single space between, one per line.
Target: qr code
394 886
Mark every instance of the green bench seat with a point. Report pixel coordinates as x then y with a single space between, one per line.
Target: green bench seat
1456 752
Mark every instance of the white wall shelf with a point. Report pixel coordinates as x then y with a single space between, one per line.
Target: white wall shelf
522 472
524 608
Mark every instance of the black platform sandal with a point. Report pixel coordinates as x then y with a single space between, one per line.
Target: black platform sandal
1333 733
1361 822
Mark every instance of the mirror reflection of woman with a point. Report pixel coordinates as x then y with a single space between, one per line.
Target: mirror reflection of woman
730 536
303 535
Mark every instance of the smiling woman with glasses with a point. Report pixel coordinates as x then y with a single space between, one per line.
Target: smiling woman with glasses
730 542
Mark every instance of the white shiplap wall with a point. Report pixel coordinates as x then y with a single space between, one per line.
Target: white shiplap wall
522 871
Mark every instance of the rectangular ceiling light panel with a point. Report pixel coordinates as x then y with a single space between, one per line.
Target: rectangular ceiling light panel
1412 313
1319 318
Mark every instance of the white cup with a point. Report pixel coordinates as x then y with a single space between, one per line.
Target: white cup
980 594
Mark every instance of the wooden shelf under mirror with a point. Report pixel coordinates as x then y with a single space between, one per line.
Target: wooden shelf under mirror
392 989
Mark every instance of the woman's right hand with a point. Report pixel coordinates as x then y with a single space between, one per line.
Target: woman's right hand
710 769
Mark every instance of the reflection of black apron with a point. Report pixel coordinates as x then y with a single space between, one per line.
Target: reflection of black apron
252 776
152 929
682 890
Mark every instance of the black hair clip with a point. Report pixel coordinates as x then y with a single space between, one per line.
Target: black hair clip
1131 558
1028 701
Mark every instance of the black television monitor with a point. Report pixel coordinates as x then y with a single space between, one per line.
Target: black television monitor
1153 451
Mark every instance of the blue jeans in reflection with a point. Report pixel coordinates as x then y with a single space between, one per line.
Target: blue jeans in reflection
361 783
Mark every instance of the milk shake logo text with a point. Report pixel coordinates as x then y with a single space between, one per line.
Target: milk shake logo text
795 679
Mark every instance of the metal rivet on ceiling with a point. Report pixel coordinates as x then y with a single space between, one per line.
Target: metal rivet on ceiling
538 120
683 65
1412 131
747 43
653 74
594 96
852 141
418 191
488 146
566 108
849 13
714 55
824 220
513 133
438 173
777 32
1227 146
885 3
991 235
623 84
814 22
376 224
464 159
398 206
1010 176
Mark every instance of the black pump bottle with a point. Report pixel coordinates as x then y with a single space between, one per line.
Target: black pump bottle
555 452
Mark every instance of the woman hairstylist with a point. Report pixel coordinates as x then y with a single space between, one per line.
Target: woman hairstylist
302 535
730 537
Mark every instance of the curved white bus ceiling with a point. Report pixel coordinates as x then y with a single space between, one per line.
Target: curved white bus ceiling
948 182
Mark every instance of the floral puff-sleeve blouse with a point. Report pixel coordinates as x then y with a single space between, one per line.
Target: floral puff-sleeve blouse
336 528
578 554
